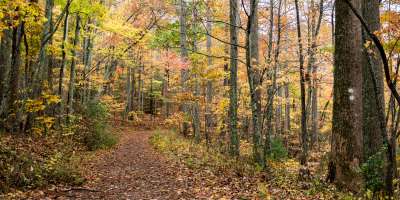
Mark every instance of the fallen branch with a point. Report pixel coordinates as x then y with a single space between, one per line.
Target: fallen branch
79 189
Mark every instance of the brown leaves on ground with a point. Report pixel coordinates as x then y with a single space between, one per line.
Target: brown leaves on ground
135 170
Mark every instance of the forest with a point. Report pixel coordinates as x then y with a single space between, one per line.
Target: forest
199 99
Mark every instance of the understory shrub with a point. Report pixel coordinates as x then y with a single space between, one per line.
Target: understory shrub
281 174
98 135
278 150
25 169
372 171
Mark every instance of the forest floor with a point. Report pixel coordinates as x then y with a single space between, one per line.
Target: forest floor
134 169
131 170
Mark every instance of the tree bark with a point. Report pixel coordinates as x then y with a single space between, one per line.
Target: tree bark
5 64
314 28
209 86
63 55
372 104
13 91
233 97
347 138
184 57
254 75
303 135
44 67
73 65
270 87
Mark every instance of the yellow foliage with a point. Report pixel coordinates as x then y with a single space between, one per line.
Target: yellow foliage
34 105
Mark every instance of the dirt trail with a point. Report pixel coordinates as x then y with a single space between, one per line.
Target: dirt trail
133 170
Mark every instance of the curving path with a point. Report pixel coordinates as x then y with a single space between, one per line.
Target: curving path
133 170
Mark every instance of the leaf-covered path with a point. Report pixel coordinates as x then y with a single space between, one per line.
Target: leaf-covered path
133 170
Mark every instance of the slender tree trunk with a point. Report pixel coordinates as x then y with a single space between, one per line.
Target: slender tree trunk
372 104
165 91
73 65
209 86
44 67
278 111
233 97
140 89
287 109
254 76
128 92
184 57
347 145
63 55
196 106
270 87
133 91
313 80
88 47
5 64
303 135
13 91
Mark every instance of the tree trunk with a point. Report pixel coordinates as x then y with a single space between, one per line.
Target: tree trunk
196 106
73 65
13 91
372 104
5 64
63 55
347 145
233 97
270 87
184 57
313 80
128 92
133 91
254 75
278 112
44 67
165 91
87 55
209 86
287 109
303 135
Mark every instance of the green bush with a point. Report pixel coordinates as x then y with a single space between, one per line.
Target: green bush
372 171
278 150
24 170
98 135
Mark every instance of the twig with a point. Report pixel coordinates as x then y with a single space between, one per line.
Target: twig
80 189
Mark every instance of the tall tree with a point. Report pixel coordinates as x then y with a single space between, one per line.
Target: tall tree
303 135
64 53
233 96
373 90
347 145
71 86
14 84
209 88
316 14
43 57
254 80
196 107
272 76
184 57
5 63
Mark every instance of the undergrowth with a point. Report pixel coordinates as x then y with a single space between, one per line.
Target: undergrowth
279 181
97 134
27 163
37 160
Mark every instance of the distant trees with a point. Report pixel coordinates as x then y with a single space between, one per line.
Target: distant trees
244 76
